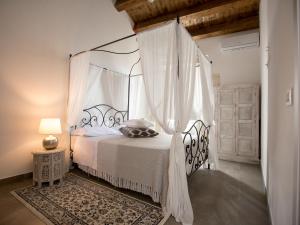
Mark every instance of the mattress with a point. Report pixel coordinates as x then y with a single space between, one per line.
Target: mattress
139 164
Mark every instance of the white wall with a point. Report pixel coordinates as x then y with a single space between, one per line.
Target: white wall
282 127
36 39
236 67
264 88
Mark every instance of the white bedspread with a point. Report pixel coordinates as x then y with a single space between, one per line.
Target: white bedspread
139 164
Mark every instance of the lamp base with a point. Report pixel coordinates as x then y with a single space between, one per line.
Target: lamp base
50 142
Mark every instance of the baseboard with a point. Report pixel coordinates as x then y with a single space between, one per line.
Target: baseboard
266 192
16 178
239 159
263 179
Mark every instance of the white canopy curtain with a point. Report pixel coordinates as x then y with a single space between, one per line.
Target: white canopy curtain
91 85
114 89
207 105
138 102
79 69
170 94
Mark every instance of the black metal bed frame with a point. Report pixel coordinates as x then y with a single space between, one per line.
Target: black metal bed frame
196 141
195 138
103 115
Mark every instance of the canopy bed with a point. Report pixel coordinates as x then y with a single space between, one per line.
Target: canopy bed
174 72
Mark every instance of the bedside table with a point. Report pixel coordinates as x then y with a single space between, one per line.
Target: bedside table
48 166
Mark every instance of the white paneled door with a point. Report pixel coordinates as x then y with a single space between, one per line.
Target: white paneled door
226 125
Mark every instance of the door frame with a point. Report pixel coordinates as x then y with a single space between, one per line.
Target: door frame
297 112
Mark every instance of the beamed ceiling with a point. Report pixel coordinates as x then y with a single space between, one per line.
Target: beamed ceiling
202 18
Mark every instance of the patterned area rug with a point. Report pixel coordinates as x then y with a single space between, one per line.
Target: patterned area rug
80 201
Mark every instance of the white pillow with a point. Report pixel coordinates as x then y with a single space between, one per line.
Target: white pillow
95 131
138 123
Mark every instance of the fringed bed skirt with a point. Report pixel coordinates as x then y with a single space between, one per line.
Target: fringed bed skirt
127 184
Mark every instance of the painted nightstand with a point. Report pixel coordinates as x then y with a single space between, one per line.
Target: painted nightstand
48 166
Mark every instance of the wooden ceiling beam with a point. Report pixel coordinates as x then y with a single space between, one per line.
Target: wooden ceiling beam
244 24
121 5
203 9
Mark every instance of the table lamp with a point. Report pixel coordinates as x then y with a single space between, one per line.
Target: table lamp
50 126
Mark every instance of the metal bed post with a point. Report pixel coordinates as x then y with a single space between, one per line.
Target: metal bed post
129 85
128 98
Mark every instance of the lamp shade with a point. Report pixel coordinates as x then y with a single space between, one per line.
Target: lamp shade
50 126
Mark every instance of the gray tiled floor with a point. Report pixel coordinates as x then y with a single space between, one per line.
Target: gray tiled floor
232 196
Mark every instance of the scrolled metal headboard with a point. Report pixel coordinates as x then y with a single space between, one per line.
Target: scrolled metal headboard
196 141
103 115
195 138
